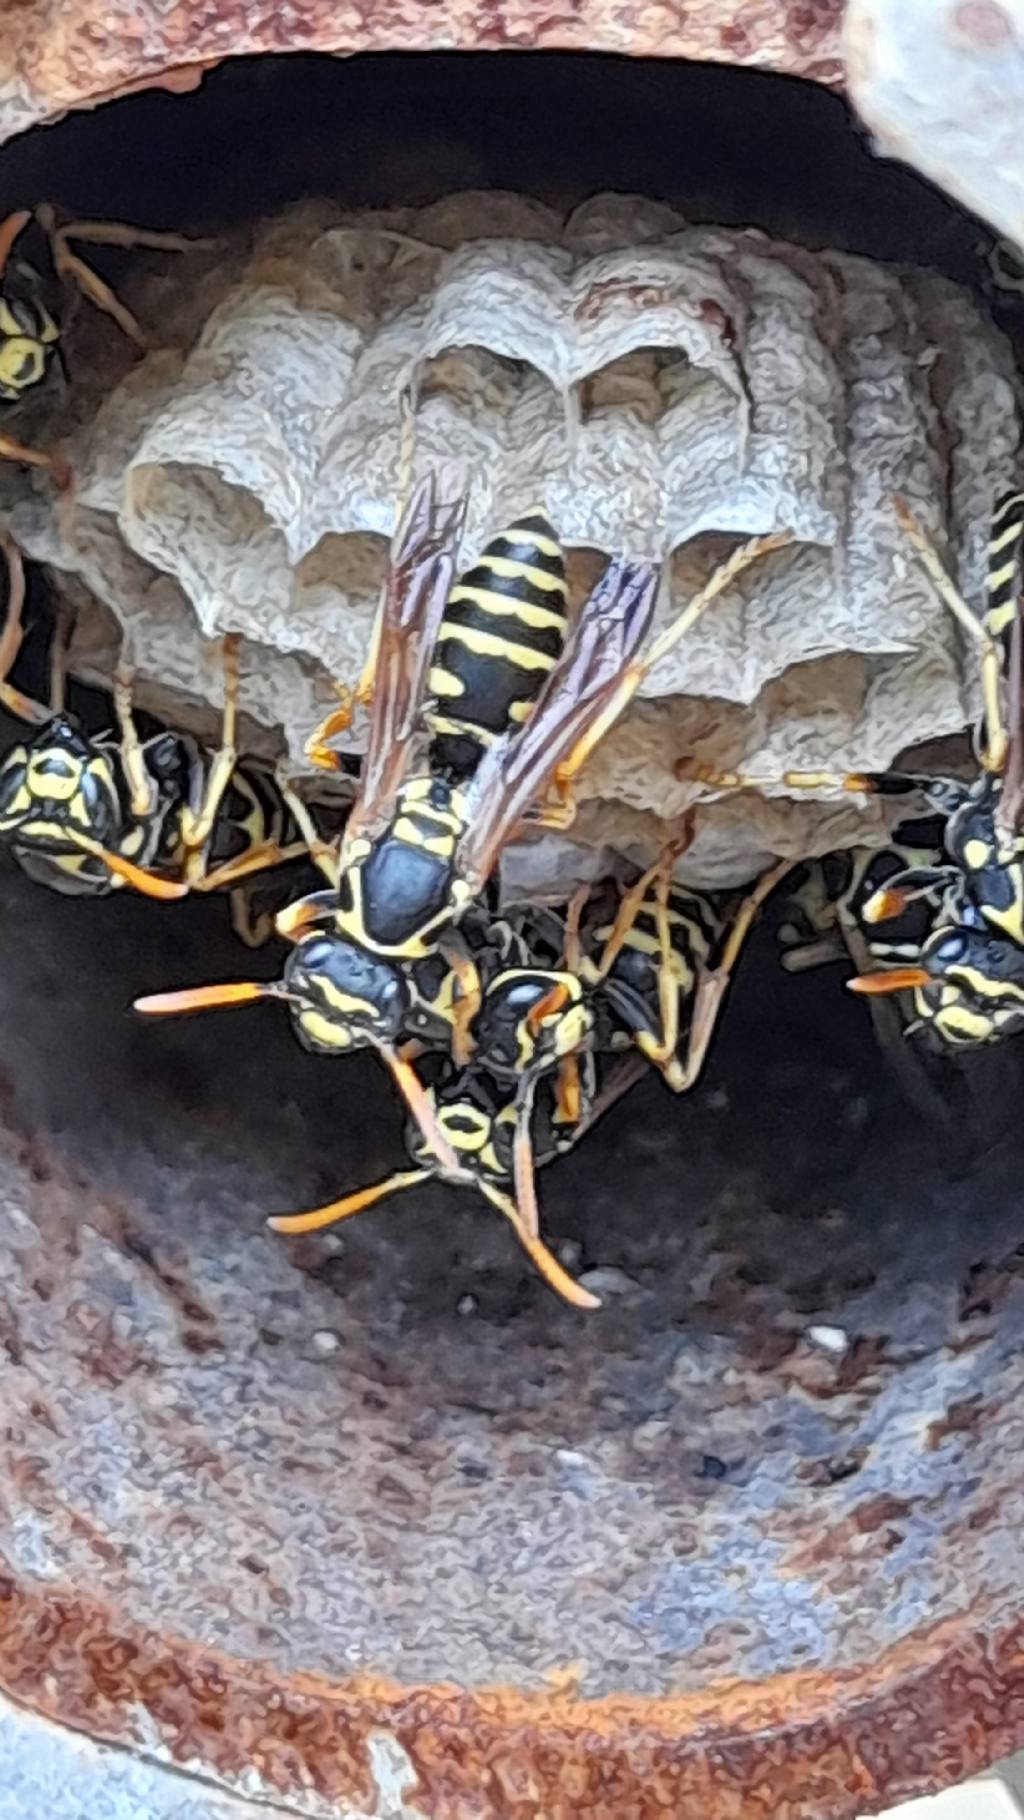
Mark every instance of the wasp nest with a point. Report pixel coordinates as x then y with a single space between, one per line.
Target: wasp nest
662 389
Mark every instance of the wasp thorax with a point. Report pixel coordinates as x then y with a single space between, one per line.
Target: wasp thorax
342 997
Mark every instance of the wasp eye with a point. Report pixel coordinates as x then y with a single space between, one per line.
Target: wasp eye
951 948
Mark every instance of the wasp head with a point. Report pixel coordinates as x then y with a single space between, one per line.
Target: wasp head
968 987
343 997
56 786
529 1020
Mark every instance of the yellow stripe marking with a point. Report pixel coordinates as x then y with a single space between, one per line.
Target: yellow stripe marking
522 533
333 1036
441 844
488 644
492 600
442 682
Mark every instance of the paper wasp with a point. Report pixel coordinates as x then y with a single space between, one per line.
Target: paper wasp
965 904
421 844
87 815
37 268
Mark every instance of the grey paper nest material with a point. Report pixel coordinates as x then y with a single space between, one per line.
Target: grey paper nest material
664 390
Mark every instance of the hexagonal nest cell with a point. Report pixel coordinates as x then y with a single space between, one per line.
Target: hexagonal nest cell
367 1521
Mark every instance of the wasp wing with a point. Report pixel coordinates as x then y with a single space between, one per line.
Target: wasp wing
515 772
420 572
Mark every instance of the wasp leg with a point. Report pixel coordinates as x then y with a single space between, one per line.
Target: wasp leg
197 826
317 749
140 784
256 859
106 233
320 1217
251 927
11 450
22 706
572 947
568 1093
714 983
10 228
803 956
631 900
468 998
323 855
993 754
562 807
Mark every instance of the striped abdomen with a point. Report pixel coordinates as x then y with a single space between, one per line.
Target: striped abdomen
504 628
1003 583
694 925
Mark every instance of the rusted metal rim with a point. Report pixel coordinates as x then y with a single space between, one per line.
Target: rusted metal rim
802 1745
64 54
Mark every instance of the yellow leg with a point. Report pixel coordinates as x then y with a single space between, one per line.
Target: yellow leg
468 998
11 450
141 786
22 706
10 228
324 856
256 859
198 826
88 281
572 950
714 983
641 667
993 756
250 928
568 1093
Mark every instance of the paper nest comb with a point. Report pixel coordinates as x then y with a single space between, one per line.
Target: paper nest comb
662 389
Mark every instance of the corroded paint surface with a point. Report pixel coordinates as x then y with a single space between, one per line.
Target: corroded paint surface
370 1521
61 54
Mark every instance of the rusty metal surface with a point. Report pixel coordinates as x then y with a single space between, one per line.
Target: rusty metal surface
370 1520
63 54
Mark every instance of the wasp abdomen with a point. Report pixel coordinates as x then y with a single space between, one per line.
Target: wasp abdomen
1003 581
504 628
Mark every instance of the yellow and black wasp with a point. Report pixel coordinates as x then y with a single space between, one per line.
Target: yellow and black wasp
962 906
421 844
38 271
89 814
485 1125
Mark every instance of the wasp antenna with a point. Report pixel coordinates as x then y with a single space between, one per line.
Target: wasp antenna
319 1217
207 998
540 1257
292 922
415 1096
897 979
148 884
546 1007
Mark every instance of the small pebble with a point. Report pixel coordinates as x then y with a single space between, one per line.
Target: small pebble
466 1304
325 1341
829 1339
606 1280
570 1252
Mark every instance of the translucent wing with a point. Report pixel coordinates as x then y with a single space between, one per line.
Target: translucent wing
1010 812
421 568
515 772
